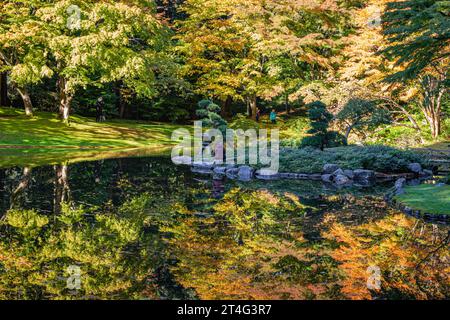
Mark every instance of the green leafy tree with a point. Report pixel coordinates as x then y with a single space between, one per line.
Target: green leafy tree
320 137
419 36
23 54
94 43
244 50
362 115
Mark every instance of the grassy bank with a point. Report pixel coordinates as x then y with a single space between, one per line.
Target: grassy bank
427 198
34 157
46 130
43 139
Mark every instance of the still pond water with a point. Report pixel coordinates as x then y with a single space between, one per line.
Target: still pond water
142 228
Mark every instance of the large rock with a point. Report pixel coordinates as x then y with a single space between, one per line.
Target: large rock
330 168
327 178
232 173
201 170
426 173
220 170
303 176
218 177
400 183
203 165
340 180
364 176
338 172
245 173
266 174
315 176
349 174
415 167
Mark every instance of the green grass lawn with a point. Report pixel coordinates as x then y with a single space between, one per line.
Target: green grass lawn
427 198
45 139
33 157
46 130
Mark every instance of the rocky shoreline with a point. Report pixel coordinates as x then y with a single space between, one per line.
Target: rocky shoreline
331 173
437 218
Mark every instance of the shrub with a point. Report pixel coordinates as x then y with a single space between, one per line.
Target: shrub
27 222
241 121
379 158
399 136
291 143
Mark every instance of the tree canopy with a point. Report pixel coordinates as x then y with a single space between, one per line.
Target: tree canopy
156 59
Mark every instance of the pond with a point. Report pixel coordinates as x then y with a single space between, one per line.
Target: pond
142 228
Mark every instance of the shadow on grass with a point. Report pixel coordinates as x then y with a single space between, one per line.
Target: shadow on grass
45 129
39 157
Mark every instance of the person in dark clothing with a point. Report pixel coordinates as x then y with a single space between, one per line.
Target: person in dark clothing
258 115
99 109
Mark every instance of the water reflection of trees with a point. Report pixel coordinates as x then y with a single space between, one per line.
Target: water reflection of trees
19 191
413 257
233 252
62 188
143 229
253 246
37 251
115 245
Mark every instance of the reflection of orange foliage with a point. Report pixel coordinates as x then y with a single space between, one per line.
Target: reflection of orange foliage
253 246
231 255
412 262
355 262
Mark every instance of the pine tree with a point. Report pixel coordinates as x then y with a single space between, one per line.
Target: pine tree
320 137
209 114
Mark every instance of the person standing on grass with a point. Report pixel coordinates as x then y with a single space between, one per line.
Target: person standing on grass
99 110
273 117
258 115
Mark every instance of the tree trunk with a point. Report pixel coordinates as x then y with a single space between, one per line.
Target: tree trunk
390 102
286 103
21 188
28 105
120 103
4 101
226 109
347 133
253 106
434 90
434 121
65 100
62 189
